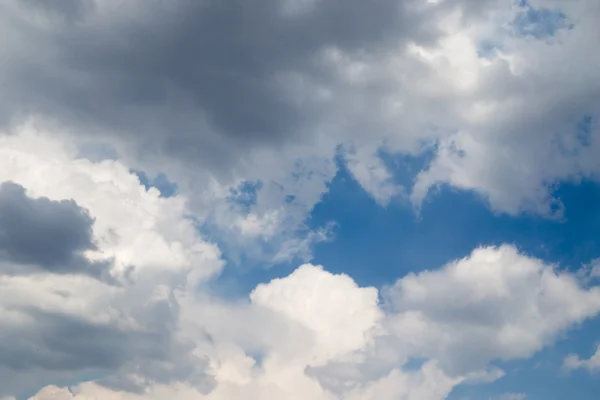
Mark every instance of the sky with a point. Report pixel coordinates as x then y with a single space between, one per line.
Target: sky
299 199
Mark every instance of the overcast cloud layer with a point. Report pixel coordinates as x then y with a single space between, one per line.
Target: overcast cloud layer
249 109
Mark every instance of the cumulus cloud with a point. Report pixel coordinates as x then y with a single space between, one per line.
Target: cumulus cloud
157 335
504 306
135 227
592 364
343 316
492 149
58 323
316 334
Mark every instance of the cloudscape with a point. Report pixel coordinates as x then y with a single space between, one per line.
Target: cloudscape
299 199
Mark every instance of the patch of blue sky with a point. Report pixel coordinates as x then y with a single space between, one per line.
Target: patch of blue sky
488 48
414 364
376 245
540 23
245 194
584 130
404 168
240 275
160 181
580 138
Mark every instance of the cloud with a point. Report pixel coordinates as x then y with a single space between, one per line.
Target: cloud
343 317
135 227
45 234
233 87
59 326
496 304
211 94
312 333
218 94
490 150
320 335
592 364
67 329
371 173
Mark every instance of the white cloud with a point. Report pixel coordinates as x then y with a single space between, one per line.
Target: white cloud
343 317
133 225
319 335
155 249
375 178
592 364
494 304
54 393
430 383
512 144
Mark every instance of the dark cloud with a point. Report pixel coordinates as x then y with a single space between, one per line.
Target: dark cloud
59 343
158 355
40 233
201 80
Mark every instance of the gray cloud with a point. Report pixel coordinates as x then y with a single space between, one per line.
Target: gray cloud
61 347
61 342
44 234
199 80
205 83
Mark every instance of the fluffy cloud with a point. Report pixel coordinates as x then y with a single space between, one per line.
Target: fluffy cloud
592 364
343 317
60 324
151 333
503 306
513 144
320 335
136 227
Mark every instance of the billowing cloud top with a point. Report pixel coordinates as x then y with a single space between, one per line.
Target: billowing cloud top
146 146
